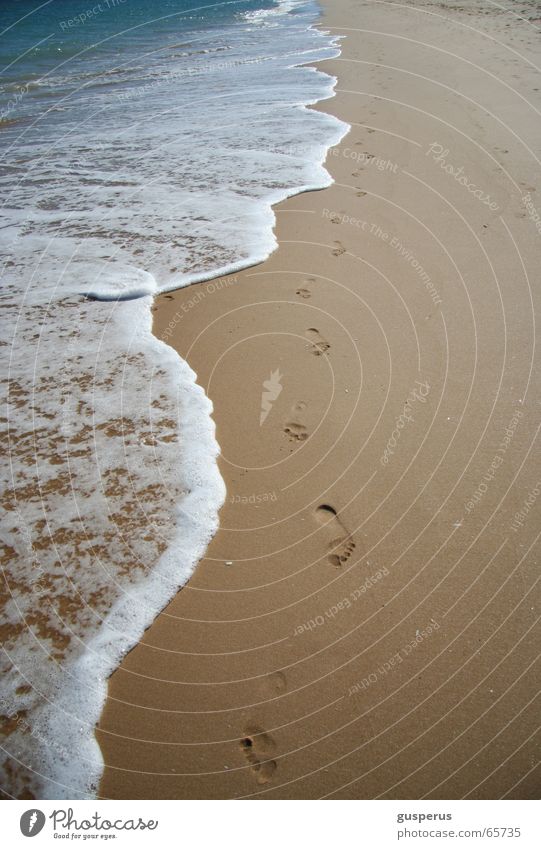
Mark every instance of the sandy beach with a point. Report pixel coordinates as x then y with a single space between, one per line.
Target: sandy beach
365 621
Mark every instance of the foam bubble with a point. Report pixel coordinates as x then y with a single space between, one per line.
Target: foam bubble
121 283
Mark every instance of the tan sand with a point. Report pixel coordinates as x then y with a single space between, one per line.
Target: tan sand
365 621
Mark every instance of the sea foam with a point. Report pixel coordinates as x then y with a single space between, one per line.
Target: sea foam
126 175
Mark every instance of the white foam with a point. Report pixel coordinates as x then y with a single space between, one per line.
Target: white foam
112 487
120 283
75 689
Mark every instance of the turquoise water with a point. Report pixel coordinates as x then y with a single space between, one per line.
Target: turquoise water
37 36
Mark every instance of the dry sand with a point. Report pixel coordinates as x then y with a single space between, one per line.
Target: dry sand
365 621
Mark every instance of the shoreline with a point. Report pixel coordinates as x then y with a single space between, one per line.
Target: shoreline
309 367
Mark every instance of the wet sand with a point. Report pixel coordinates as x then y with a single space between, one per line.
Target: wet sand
365 621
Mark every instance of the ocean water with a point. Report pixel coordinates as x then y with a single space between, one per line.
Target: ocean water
142 145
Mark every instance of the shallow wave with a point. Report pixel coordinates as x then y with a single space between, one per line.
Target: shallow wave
112 496
111 487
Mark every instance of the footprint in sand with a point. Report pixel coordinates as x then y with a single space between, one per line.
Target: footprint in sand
319 345
257 747
278 681
341 546
304 291
339 249
294 430
274 684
